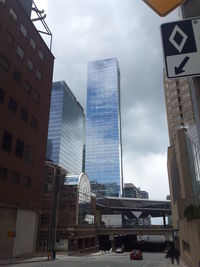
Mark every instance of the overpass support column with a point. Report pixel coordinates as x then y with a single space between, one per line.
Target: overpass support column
164 220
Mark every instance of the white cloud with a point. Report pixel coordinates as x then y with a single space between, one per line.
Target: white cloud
148 172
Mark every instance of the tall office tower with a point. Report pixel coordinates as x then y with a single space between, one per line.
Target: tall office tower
66 129
179 105
26 68
103 128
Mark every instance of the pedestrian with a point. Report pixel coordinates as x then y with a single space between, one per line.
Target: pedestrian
171 254
177 255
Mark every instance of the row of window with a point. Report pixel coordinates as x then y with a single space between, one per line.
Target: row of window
17 76
21 150
13 16
5 63
15 177
13 107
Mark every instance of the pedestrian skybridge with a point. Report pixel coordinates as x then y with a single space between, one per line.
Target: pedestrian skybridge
146 207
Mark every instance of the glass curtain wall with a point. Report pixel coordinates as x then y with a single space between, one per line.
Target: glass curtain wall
66 129
103 130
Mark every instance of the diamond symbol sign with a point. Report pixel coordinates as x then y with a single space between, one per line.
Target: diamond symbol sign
178 44
181 47
163 7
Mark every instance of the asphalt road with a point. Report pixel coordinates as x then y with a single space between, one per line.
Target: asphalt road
102 260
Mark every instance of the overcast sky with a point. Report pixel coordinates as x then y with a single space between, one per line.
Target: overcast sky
87 30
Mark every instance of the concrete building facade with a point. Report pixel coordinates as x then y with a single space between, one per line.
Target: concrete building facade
183 171
179 105
26 67
182 107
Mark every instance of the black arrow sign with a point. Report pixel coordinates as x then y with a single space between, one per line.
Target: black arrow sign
179 69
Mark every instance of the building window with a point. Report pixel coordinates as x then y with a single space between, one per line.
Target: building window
17 76
13 15
38 75
9 38
12 105
4 62
29 154
36 97
19 148
41 55
7 141
24 114
2 95
27 181
23 30
30 64
3 173
34 122
27 87
20 52
15 177
33 44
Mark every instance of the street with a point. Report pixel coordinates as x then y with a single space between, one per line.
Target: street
101 260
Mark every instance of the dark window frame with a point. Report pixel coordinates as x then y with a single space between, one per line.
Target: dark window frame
3 173
24 114
27 87
19 148
34 122
2 95
17 76
12 105
9 38
6 145
4 62
36 97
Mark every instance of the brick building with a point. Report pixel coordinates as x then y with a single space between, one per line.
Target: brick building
26 67
68 221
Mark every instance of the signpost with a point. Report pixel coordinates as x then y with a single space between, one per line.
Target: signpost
181 47
163 7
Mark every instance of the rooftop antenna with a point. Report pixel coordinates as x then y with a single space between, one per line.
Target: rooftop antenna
41 17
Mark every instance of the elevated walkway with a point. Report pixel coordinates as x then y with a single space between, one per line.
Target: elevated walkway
136 230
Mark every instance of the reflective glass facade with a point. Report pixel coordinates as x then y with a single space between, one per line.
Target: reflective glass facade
103 162
66 129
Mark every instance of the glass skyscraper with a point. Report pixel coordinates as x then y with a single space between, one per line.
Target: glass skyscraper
66 129
103 161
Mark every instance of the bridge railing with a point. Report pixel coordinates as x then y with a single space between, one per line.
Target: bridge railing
138 226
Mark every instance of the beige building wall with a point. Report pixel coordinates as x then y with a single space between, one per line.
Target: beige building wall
182 195
179 107
26 232
180 115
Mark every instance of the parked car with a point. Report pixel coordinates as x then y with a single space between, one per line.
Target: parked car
136 255
119 250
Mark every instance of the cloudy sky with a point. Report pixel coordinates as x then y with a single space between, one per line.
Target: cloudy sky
87 30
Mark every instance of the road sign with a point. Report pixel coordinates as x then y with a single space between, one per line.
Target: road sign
163 7
181 47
